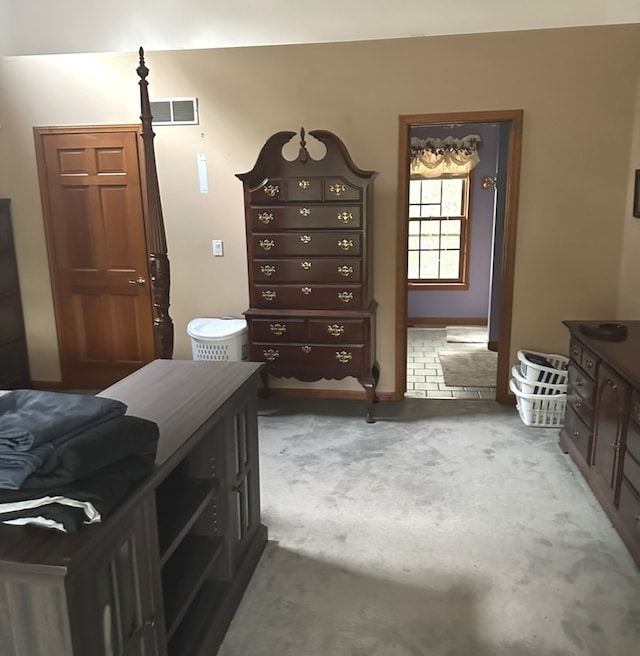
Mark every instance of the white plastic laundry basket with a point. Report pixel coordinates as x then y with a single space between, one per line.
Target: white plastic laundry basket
556 374
546 410
219 339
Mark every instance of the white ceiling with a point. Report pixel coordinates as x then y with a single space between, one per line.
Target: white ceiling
34 27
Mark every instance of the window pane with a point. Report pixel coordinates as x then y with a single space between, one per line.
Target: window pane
414 227
450 265
431 191
452 197
451 227
414 242
414 264
414 211
414 191
429 265
451 242
430 210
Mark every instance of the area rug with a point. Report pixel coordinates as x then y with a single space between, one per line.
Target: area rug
467 334
469 368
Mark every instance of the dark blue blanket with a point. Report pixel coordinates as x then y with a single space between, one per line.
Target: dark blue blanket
33 423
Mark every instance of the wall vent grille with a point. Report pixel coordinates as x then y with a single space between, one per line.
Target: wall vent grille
174 111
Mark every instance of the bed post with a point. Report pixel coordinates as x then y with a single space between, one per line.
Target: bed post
156 239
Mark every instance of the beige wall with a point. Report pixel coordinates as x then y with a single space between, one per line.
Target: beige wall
577 89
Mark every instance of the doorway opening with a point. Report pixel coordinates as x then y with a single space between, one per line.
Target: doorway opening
500 260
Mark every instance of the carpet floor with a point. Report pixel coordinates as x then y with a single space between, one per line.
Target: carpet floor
447 528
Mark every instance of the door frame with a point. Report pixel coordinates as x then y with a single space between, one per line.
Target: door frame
512 192
39 132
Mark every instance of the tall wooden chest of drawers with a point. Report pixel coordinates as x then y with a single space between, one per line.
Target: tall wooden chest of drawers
309 245
14 362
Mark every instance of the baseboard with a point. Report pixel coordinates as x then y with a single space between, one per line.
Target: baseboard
447 321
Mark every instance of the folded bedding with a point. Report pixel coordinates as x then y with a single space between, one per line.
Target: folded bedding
34 423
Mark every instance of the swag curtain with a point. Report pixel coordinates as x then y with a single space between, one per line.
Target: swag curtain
443 158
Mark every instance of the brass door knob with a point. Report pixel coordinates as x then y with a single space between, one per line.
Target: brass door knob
138 281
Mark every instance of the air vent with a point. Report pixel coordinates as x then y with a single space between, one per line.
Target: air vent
174 111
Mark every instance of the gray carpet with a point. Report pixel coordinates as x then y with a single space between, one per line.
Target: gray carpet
447 528
473 367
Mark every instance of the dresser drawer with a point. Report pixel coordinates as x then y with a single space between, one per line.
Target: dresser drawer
306 297
629 509
309 356
282 330
579 433
330 269
272 191
581 384
589 363
306 217
575 351
306 244
340 189
338 331
303 189
632 472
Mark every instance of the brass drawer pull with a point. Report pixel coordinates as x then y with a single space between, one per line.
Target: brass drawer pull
345 244
303 184
335 330
305 239
343 356
306 349
579 382
575 351
265 217
337 189
267 244
270 354
305 265
268 295
578 404
345 270
305 211
267 270
277 328
306 290
345 217
345 297
576 434
272 190
589 364
615 446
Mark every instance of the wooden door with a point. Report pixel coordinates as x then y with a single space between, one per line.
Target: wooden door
90 184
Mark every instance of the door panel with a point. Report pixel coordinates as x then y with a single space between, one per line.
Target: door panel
92 196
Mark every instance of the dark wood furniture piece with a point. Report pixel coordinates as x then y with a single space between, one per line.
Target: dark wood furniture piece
602 423
165 573
309 247
14 362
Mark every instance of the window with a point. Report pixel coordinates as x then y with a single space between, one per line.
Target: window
438 232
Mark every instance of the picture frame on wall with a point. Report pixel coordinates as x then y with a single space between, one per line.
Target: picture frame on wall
636 196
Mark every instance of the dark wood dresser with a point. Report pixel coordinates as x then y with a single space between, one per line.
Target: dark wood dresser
309 247
164 574
14 362
602 422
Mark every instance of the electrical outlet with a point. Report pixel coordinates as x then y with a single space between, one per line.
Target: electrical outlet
218 250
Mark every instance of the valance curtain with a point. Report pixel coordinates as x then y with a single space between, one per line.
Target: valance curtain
443 158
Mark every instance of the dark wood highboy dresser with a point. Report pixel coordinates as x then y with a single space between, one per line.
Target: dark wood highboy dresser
309 247
602 422
14 362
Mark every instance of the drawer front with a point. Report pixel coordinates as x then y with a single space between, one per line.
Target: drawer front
309 356
589 363
303 189
282 330
337 331
305 244
575 351
632 472
307 297
339 189
629 509
579 433
305 217
331 269
580 383
272 191
633 428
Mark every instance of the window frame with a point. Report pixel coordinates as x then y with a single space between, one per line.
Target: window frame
462 283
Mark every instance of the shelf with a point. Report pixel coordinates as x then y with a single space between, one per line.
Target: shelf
184 573
178 509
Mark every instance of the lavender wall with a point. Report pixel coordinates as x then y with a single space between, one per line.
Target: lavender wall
474 302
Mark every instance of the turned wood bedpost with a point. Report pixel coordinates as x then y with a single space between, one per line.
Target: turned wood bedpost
155 234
